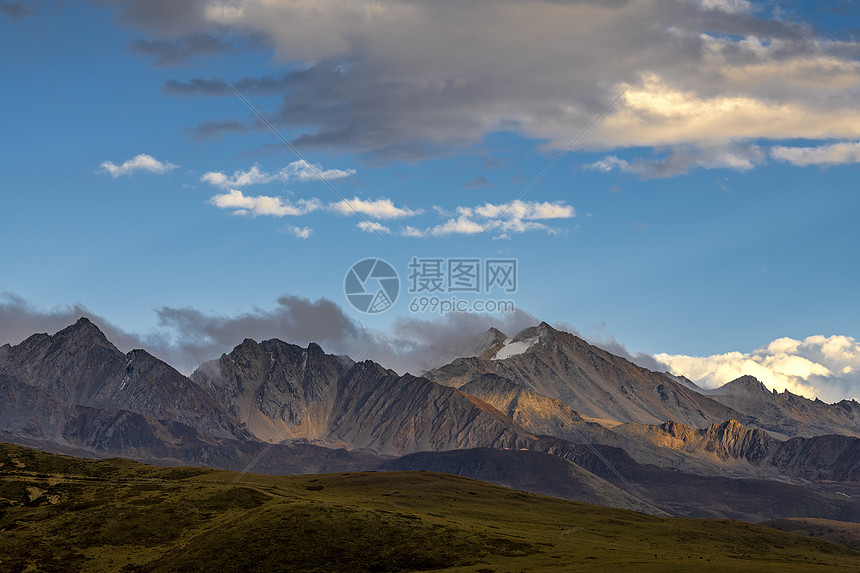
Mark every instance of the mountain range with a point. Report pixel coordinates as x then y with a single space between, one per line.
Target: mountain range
543 411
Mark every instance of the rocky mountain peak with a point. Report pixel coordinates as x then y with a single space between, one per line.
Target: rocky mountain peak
315 349
82 332
494 333
249 344
489 343
745 384
540 331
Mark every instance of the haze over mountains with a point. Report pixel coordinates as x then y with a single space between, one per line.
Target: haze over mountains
594 426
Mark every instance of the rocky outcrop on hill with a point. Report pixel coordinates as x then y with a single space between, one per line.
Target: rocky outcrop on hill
729 440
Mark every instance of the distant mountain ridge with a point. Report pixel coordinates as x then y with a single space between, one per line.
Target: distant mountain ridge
276 407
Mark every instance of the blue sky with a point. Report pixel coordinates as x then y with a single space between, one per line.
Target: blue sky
711 211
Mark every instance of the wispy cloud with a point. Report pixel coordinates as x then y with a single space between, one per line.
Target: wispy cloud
478 183
516 217
376 209
737 156
609 163
409 231
373 227
140 162
175 52
299 232
296 171
14 9
830 154
241 204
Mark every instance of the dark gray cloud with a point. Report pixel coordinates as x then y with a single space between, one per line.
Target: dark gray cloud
410 79
682 159
187 337
217 129
175 52
263 85
478 183
408 345
19 320
162 17
15 9
639 358
420 344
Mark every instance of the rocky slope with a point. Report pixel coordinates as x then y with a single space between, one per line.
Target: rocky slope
726 441
35 417
786 413
282 391
79 366
590 380
828 458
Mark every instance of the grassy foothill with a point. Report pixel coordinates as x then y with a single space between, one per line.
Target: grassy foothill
59 513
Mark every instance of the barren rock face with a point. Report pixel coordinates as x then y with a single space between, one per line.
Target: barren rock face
787 413
282 391
590 380
79 366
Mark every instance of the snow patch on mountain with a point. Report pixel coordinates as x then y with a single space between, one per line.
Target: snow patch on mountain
513 347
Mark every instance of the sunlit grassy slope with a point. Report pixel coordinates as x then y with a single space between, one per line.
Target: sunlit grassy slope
60 513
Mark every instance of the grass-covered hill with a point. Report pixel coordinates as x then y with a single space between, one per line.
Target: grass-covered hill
59 513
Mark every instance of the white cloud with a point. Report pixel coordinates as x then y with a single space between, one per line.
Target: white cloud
378 209
295 171
140 162
462 225
526 210
409 231
253 176
254 206
302 171
830 154
515 217
609 163
818 366
373 227
501 219
299 232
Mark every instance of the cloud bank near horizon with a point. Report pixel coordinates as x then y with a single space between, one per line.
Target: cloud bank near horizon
827 367
187 337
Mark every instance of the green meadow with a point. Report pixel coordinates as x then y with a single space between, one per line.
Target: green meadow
59 513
